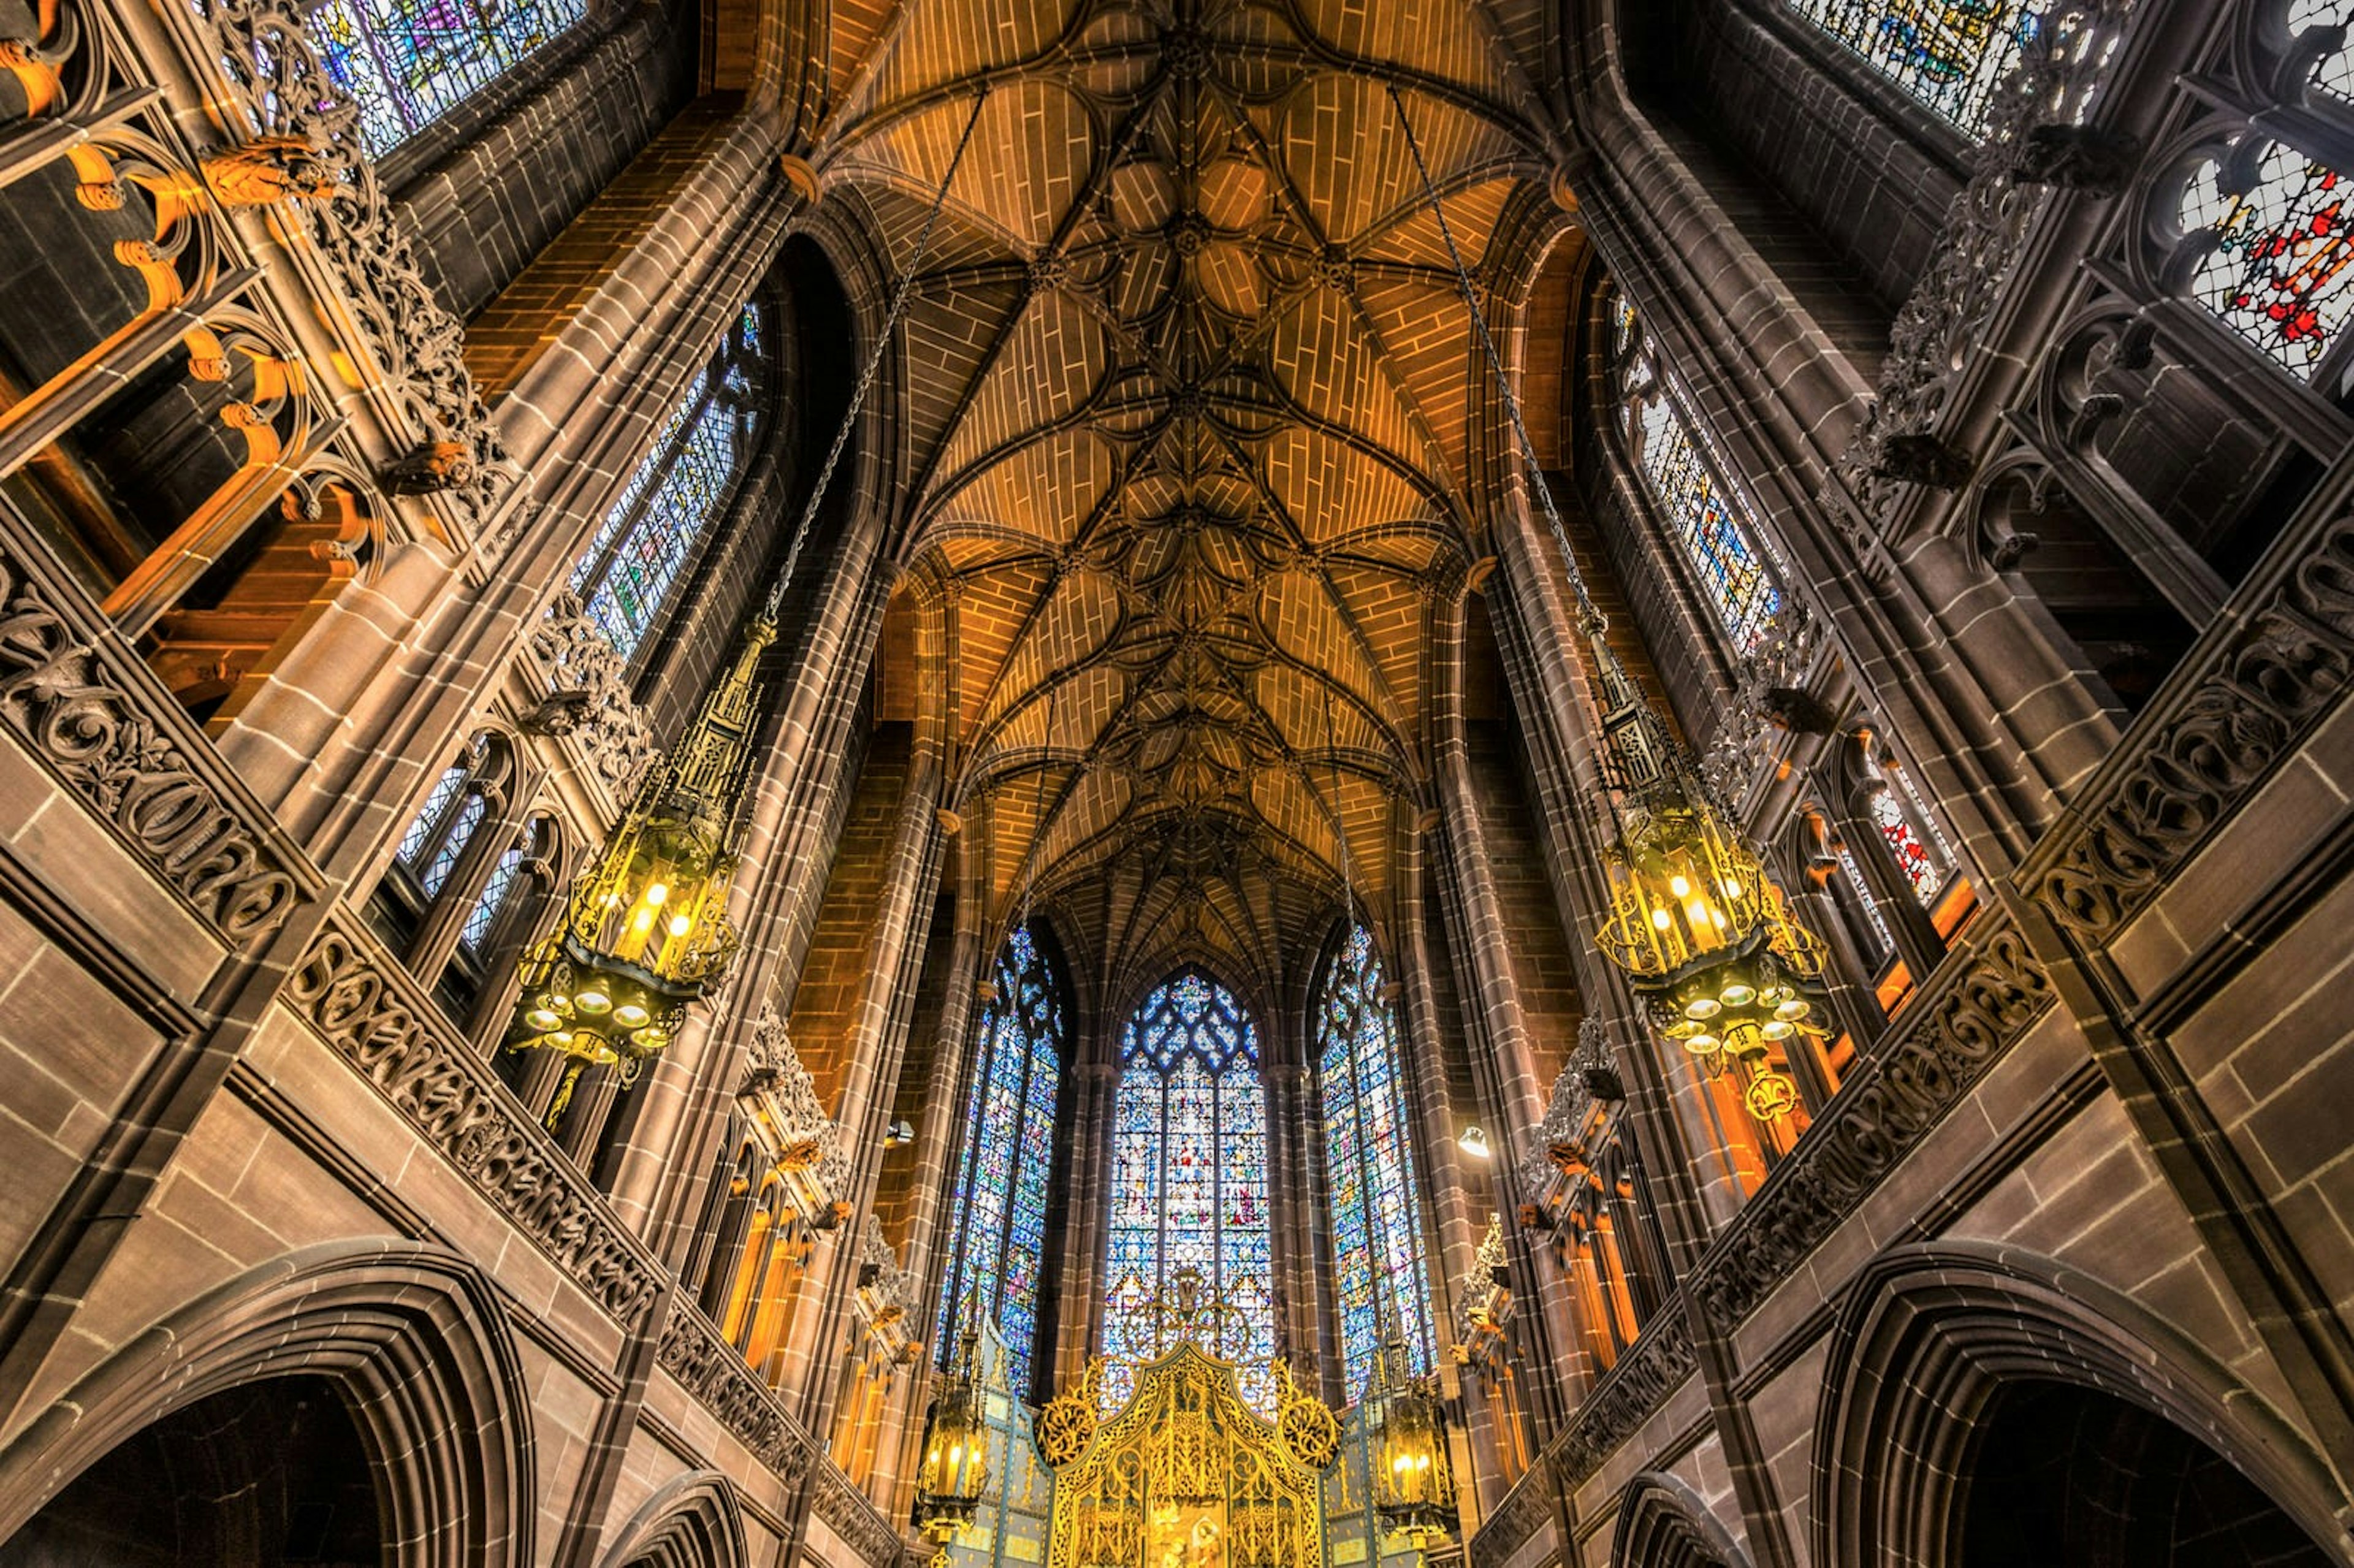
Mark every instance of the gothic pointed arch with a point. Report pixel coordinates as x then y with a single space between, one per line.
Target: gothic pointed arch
693 1520
413 1338
1189 1176
1663 1523
1933 1335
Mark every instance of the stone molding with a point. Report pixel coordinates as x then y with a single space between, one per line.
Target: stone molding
368 1010
117 741
715 1373
1981 1003
585 699
2284 666
1941 328
364 257
857 1521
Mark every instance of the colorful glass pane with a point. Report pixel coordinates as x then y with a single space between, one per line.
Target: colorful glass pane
1190 1179
436 874
1950 55
1381 1280
2332 73
1920 868
997 1206
1715 538
428 817
680 488
486 912
409 62
2279 273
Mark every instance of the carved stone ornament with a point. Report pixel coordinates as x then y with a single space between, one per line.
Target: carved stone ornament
588 696
2075 157
1984 1005
860 1526
1568 1114
84 720
370 1013
2263 690
713 1371
887 1292
272 169
1769 691
291 99
779 1099
1938 329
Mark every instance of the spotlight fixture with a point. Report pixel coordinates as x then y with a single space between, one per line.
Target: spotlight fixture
1474 1142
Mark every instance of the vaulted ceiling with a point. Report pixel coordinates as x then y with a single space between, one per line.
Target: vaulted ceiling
1196 431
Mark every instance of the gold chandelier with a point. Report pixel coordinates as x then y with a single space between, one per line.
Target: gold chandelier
956 1448
645 929
1412 1484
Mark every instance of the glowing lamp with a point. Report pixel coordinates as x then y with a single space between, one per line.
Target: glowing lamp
956 1451
1413 1486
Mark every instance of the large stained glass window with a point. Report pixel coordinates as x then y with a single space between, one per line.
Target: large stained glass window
1382 1286
1951 55
2279 273
1717 539
409 62
1189 1179
997 1209
626 575
2332 73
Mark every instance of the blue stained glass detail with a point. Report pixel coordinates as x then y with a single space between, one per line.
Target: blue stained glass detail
997 1206
1189 1178
1950 55
428 817
1381 1280
409 62
627 574
486 912
436 874
1716 538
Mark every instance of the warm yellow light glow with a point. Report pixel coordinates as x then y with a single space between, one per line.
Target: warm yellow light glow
1680 886
680 924
657 892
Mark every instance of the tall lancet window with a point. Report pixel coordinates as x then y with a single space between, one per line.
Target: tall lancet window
409 62
1709 522
684 485
1951 55
997 1209
1377 1213
1189 1179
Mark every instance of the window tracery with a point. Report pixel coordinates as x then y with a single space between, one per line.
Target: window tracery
1950 56
1379 1275
997 1207
1718 539
626 575
2276 267
1189 1178
409 62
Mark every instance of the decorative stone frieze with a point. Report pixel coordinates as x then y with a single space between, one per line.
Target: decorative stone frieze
107 735
1938 331
419 348
373 1015
714 1372
2265 687
858 1521
1987 1003
589 699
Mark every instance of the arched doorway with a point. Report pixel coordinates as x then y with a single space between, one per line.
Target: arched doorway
271 1472
2060 1473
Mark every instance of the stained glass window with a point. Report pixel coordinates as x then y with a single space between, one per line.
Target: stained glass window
1711 528
486 912
2332 73
428 817
1924 871
626 575
997 1209
1189 1179
409 62
1950 55
1382 1286
2279 273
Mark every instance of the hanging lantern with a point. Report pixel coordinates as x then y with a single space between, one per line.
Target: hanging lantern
1694 921
1413 1486
645 929
956 1451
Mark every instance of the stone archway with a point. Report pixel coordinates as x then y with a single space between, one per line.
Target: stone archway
691 1523
410 1340
1934 1340
1663 1523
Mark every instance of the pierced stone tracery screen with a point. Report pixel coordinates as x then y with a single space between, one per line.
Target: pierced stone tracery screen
1189 1178
997 1209
1377 1210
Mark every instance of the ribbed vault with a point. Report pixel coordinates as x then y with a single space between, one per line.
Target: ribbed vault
1191 425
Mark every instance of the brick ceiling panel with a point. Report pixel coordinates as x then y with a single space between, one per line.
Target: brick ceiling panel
1187 385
